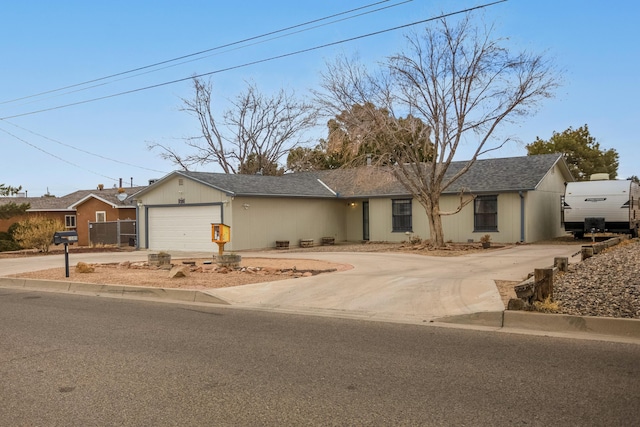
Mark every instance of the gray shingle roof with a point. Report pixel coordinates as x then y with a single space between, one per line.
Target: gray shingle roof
505 174
289 185
487 175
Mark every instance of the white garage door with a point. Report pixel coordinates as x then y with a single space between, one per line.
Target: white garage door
184 228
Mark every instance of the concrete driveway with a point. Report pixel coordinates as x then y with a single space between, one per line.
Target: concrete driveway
392 286
381 286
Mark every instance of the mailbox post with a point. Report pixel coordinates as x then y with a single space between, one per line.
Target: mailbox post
66 238
220 234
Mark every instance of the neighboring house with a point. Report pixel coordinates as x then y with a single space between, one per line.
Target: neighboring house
76 210
49 207
517 200
101 206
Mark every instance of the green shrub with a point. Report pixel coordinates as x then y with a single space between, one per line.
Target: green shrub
6 236
8 245
12 229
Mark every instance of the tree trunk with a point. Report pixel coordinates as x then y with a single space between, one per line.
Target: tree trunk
432 209
435 228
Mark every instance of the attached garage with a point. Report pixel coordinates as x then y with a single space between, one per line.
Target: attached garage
182 227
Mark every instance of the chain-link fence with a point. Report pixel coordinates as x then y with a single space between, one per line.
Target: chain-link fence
120 233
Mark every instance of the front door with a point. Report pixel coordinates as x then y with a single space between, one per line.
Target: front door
365 220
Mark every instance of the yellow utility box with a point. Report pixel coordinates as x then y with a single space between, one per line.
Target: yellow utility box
220 234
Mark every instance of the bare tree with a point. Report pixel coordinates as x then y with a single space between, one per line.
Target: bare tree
459 81
252 135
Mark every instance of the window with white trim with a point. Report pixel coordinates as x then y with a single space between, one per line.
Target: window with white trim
70 221
485 213
401 215
101 216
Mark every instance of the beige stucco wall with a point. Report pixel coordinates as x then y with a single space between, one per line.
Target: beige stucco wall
457 227
543 208
257 222
381 224
353 220
460 228
170 191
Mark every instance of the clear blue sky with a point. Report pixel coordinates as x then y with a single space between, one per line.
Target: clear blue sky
47 45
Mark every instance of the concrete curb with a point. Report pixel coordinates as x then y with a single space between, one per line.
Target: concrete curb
184 295
507 320
564 323
552 323
493 319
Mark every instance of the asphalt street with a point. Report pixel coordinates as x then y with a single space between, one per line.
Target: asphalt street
69 360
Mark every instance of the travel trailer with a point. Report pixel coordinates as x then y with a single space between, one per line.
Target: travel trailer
602 205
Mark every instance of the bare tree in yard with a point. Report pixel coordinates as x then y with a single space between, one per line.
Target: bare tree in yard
457 80
252 136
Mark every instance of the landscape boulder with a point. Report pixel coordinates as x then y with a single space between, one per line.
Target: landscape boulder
179 271
83 267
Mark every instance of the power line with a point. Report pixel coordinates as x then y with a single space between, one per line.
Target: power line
203 57
77 149
54 156
260 61
201 52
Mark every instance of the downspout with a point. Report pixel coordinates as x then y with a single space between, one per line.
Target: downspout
521 216
138 225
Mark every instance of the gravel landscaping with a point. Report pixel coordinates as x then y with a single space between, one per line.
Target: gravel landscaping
606 285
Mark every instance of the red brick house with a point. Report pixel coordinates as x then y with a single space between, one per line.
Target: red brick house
76 210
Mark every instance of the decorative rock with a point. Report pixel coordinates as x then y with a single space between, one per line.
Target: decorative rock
125 265
179 271
516 304
83 267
